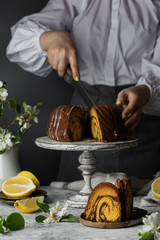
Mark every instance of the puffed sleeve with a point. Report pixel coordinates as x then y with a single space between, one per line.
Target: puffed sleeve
151 78
24 46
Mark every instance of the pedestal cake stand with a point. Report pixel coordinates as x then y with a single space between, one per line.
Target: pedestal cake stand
87 160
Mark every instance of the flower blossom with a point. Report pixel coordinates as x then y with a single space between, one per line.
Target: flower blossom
152 224
6 141
35 119
25 126
25 119
57 213
1 84
3 94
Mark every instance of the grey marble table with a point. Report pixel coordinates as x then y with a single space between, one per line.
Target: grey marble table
69 231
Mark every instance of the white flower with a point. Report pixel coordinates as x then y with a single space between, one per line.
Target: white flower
1 84
157 236
37 111
57 213
35 119
5 141
20 119
25 126
151 223
3 94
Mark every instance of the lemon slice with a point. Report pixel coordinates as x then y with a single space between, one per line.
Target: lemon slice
31 176
28 205
155 187
18 186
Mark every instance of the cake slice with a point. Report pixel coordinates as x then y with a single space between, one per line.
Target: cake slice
65 124
110 202
104 204
107 124
126 193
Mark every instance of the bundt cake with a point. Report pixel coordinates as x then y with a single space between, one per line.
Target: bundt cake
110 203
65 123
107 124
70 123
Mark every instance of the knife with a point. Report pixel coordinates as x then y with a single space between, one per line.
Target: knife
78 87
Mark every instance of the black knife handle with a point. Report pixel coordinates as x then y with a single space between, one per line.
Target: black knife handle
77 86
68 76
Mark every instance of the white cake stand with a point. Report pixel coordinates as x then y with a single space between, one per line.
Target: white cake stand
87 160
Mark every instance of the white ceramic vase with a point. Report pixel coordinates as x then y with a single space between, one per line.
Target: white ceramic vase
9 165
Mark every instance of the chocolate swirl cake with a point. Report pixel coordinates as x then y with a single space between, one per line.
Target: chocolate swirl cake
110 203
65 124
70 123
107 124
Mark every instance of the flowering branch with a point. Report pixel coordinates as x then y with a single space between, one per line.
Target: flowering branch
56 213
22 119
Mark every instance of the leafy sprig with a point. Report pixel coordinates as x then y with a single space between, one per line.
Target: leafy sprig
56 213
14 222
23 119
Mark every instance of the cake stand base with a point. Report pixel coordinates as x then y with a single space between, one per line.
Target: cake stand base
87 160
77 201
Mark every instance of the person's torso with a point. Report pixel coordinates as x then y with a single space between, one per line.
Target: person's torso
113 36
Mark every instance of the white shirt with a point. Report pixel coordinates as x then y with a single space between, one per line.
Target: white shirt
117 42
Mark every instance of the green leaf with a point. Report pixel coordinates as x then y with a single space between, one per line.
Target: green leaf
146 236
19 134
14 222
40 218
4 84
1 225
3 151
1 108
4 224
69 218
16 139
24 104
39 104
18 109
12 104
43 206
1 229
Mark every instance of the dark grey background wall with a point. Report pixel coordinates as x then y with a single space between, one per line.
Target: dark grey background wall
21 85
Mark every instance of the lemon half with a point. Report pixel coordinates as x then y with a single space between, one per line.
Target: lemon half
18 186
31 176
28 205
155 187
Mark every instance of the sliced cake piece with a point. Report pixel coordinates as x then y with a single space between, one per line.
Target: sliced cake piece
104 204
65 124
126 193
107 124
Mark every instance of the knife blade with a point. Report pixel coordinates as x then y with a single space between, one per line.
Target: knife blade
78 87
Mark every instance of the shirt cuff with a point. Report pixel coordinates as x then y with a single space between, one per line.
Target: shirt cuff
143 81
40 50
152 107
